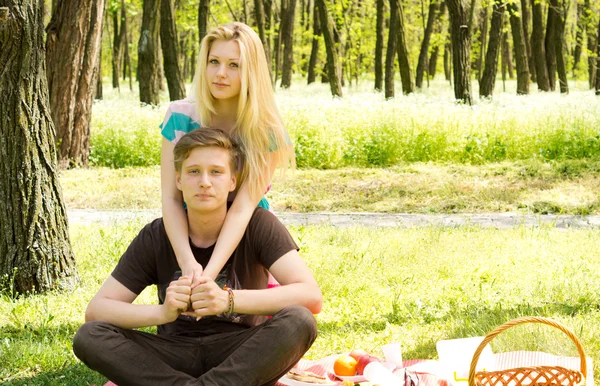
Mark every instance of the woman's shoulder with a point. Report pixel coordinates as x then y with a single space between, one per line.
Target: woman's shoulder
181 118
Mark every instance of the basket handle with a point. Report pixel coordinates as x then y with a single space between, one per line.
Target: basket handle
526 319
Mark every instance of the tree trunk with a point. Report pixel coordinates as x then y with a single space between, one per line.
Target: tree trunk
98 91
591 44
448 61
268 8
259 12
598 61
35 254
506 55
314 51
72 45
436 48
279 40
117 49
538 47
560 16
482 41
402 49
203 10
287 29
333 69
149 54
168 41
580 26
549 45
488 79
379 36
422 64
527 36
391 51
520 49
126 57
461 50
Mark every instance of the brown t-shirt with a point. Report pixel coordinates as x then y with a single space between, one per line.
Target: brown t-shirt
150 259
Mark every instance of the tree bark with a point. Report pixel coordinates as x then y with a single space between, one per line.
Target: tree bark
148 54
592 40
422 64
259 11
314 51
117 49
538 47
598 61
507 66
549 45
488 79
482 41
168 41
436 48
391 51
35 254
279 40
72 45
379 37
403 56
203 11
98 91
520 49
580 28
287 28
333 68
527 36
461 50
560 16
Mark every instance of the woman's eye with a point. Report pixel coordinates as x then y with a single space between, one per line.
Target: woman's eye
234 65
213 61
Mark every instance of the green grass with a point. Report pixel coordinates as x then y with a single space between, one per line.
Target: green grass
565 187
414 286
364 130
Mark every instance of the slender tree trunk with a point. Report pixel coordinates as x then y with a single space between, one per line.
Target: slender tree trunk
598 60
527 35
268 8
549 45
314 51
203 11
117 49
482 41
422 64
279 41
402 49
149 54
580 27
506 55
98 92
488 79
436 48
379 36
538 47
35 254
520 49
592 40
288 43
333 72
168 41
461 50
560 16
259 11
391 51
448 61
72 45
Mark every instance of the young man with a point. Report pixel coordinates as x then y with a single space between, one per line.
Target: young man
216 333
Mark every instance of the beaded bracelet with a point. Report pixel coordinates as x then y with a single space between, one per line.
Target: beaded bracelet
231 301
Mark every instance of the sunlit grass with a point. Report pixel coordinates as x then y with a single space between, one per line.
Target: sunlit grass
415 286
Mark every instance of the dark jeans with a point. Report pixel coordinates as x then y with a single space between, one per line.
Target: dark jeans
258 355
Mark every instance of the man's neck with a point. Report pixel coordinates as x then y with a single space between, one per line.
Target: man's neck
204 228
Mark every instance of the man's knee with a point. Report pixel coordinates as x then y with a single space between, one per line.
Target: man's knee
300 321
88 338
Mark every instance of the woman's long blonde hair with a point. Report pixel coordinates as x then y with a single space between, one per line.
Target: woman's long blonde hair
258 128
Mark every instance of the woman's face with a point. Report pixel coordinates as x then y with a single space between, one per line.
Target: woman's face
223 69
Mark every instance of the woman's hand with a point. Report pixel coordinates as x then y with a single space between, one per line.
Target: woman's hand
193 270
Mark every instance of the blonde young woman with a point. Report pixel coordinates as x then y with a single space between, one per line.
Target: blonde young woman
231 91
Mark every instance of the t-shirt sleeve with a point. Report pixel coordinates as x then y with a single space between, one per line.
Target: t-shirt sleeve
273 144
137 269
269 237
178 120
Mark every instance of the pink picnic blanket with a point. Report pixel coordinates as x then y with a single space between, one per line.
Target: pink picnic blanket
429 374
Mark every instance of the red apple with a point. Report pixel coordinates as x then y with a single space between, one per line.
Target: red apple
358 353
364 361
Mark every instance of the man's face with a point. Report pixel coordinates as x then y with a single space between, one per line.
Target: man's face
205 179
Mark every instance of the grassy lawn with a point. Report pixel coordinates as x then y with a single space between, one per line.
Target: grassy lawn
414 286
566 187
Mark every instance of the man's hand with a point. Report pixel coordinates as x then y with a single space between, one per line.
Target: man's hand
177 299
193 270
208 298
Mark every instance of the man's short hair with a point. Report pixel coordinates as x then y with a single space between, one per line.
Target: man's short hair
206 137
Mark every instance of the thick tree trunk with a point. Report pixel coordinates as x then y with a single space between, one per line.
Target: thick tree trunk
333 68
314 51
461 50
287 29
72 45
422 64
403 56
520 49
35 253
168 41
538 47
550 46
149 54
391 51
203 10
560 16
379 36
488 79
527 36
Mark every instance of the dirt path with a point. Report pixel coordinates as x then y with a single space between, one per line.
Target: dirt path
495 220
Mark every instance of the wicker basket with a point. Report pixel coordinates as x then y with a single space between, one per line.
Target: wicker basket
535 375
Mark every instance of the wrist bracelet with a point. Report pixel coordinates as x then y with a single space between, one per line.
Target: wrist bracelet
231 303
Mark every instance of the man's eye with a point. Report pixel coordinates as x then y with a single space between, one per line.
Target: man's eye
217 172
193 171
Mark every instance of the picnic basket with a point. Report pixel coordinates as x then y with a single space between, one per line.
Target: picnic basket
533 375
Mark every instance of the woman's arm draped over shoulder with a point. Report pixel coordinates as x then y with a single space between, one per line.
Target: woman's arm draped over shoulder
236 222
174 216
